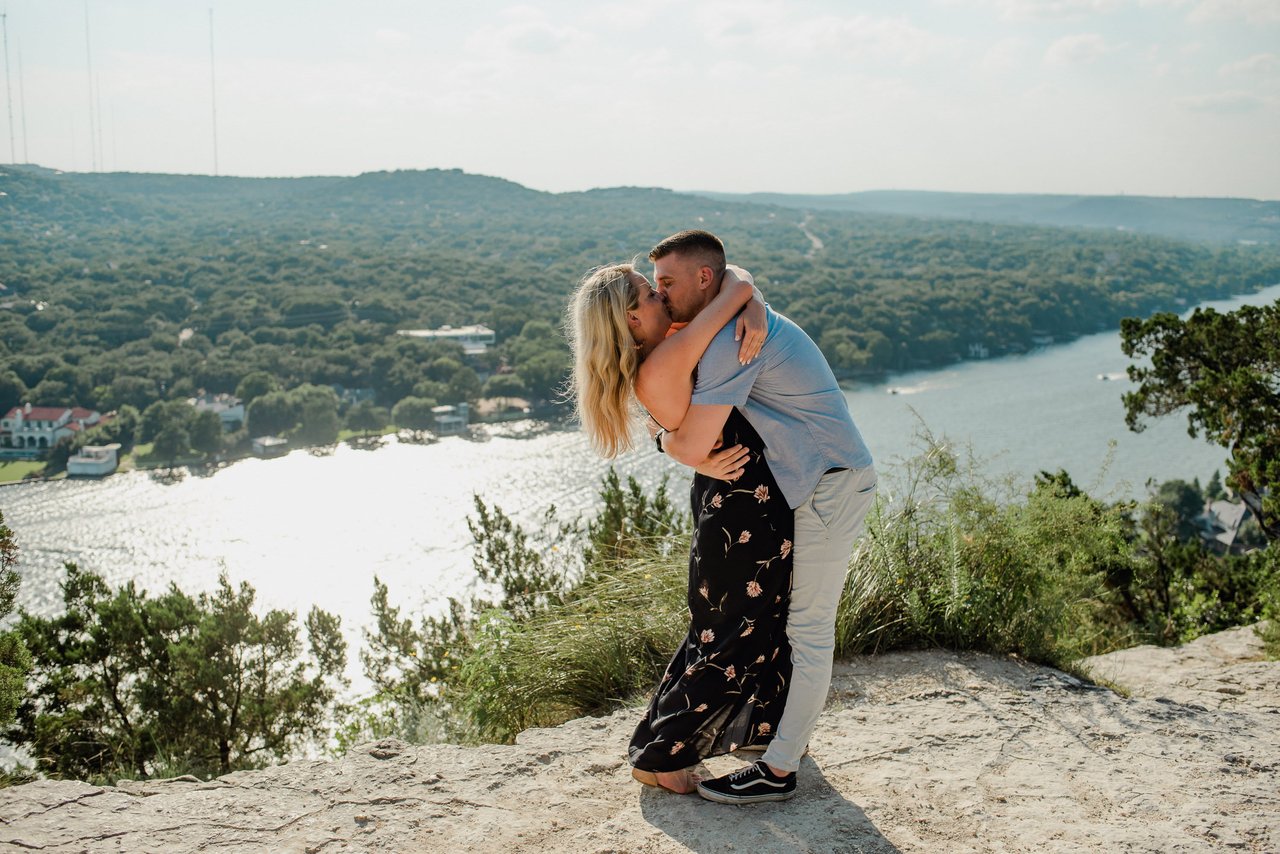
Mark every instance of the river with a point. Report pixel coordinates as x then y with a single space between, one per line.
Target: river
307 529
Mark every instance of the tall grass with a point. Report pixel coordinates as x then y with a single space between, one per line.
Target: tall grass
600 648
950 559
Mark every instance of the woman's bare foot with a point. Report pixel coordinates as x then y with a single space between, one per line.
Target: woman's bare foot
681 782
646 777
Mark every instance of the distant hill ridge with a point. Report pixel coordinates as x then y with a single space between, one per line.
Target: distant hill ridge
1216 220
67 196
1221 220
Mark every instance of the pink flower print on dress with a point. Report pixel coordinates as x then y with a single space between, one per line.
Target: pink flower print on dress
707 636
729 672
753 589
786 548
702 707
748 630
744 537
762 493
716 501
760 660
764 729
677 747
705 591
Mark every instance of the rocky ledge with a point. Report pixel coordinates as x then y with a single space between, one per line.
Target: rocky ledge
923 751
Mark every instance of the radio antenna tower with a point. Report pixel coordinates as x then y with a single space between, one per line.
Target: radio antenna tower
22 103
213 95
8 87
97 106
88 60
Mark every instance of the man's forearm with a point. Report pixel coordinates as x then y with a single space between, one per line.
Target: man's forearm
697 434
677 447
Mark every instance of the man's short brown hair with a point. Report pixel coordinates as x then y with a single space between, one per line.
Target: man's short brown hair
702 245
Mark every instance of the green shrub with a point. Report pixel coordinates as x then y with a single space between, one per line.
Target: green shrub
1269 630
1180 588
945 562
126 684
14 658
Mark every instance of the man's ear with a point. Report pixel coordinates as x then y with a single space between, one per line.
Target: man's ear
706 277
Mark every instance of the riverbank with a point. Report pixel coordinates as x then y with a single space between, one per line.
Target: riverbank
920 751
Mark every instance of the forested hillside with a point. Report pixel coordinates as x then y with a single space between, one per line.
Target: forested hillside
124 288
1196 219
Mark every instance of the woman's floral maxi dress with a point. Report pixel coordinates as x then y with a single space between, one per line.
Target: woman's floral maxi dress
727 684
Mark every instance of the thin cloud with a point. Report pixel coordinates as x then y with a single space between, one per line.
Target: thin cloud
1004 56
770 31
1034 10
387 35
1251 11
1224 103
525 31
1079 49
1258 65
1044 10
632 14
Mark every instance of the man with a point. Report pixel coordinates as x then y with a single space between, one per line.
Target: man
823 468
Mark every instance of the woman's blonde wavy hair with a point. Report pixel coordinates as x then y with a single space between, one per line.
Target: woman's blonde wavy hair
605 358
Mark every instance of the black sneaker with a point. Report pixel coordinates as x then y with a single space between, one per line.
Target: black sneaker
748 786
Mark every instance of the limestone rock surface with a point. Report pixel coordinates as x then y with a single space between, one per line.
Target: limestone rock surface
921 752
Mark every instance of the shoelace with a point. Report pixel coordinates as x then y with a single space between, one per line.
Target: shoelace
743 772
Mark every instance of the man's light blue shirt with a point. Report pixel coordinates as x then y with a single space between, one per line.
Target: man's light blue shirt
791 398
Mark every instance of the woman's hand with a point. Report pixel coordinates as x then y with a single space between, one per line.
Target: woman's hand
724 463
752 326
751 329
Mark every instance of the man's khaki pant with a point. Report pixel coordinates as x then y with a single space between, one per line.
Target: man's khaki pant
826 527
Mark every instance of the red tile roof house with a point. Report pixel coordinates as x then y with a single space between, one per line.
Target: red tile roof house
38 428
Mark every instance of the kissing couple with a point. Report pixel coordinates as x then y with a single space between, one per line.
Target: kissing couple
783 481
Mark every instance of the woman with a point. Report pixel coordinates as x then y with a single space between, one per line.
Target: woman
725 687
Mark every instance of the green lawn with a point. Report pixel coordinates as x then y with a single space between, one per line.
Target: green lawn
344 434
12 471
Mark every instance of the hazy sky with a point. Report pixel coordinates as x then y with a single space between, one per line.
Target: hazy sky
1160 97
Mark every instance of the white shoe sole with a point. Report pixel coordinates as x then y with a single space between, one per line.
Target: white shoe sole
719 798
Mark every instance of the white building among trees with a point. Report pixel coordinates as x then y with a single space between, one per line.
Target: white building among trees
228 408
474 339
38 428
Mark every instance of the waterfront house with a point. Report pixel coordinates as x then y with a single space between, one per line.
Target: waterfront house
1220 523
94 461
229 408
352 395
38 428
